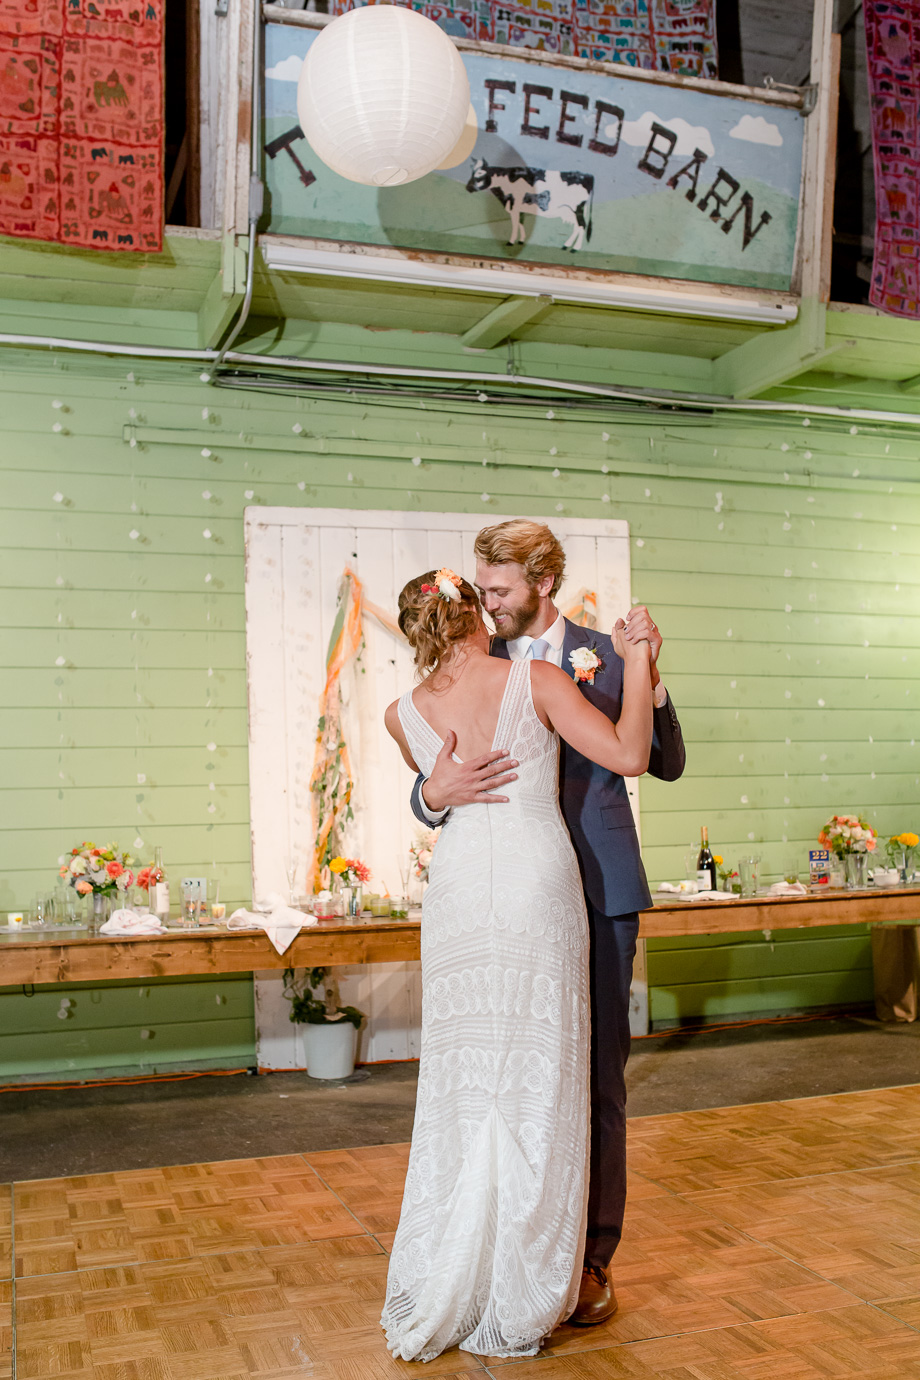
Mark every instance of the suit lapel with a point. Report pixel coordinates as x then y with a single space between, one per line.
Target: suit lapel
575 636
499 647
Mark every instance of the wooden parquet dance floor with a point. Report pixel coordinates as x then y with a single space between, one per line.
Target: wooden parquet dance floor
778 1241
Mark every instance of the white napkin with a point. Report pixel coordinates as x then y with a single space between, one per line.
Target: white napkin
281 923
787 889
129 922
690 892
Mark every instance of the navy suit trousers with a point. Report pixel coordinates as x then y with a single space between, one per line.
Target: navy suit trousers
613 948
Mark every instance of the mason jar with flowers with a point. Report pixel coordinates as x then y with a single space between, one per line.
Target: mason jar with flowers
103 874
852 839
900 850
350 875
727 875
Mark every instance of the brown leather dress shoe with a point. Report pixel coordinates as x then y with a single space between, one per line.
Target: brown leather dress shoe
596 1300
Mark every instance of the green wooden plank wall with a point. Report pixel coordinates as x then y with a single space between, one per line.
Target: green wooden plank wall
789 606
82 1029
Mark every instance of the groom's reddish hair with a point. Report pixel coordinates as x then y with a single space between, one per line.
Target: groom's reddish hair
528 544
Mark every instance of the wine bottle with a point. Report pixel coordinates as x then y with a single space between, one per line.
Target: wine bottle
705 864
159 885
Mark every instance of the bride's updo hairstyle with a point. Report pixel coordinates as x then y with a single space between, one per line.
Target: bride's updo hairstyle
433 622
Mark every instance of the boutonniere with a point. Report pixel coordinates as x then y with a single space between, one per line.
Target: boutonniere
586 664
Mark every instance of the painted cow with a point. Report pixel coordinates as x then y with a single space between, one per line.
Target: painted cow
538 192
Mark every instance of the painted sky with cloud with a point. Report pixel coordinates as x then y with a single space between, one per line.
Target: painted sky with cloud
689 137
288 69
757 130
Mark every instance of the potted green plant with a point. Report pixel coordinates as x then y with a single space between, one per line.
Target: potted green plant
330 1030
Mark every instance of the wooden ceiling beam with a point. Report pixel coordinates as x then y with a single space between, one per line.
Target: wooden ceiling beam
501 323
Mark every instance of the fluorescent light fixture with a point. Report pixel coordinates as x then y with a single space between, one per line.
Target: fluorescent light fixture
510 282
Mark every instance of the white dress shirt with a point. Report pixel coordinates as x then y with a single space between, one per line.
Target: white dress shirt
518 647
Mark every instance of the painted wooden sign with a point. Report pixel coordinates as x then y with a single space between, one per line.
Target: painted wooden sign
573 167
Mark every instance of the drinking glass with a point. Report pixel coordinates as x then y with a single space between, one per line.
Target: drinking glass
290 872
747 870
65 906
791 869
43 910
218 909
191 908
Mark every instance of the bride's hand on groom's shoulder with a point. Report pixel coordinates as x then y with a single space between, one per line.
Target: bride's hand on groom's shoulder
475 782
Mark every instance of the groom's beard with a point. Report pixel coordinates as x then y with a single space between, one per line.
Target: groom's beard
512 623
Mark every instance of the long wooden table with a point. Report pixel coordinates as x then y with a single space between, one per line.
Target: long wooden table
873 906
63 956
71 956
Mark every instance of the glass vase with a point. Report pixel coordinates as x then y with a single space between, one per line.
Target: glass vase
98 909
855 864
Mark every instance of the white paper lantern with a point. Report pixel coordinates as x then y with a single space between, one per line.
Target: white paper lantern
383 96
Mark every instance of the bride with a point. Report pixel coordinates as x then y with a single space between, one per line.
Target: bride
488 1253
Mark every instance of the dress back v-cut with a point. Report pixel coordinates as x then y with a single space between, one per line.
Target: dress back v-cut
488 1252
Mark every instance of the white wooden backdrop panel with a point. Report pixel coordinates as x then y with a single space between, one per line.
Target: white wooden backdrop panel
294 561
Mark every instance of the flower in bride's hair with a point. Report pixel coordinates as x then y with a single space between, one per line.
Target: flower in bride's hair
447 583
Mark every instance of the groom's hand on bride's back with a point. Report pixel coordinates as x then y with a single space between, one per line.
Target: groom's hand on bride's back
467 783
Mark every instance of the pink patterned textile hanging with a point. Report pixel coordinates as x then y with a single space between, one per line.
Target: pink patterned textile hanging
893 51
660 35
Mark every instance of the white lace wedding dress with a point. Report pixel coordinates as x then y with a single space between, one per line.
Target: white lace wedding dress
489 1249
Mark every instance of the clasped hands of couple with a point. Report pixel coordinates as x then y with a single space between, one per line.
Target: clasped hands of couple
453 783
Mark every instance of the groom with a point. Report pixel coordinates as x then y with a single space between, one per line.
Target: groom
519 568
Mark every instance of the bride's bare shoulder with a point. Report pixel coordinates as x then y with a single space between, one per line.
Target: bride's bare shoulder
391 719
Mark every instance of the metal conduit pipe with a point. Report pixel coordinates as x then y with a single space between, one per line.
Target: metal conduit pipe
256 185
601 392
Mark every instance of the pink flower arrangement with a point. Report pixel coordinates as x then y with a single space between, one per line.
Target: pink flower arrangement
421 852
95 869
848 834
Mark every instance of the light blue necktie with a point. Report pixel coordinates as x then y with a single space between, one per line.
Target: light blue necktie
538 649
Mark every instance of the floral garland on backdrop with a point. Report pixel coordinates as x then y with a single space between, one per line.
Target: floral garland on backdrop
331 782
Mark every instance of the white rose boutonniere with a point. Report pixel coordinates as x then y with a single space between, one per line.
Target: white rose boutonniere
586 664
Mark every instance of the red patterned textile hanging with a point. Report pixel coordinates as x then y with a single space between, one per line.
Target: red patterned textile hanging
893 51
81 122
660 35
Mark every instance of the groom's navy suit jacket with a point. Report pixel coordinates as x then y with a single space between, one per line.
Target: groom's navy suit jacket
594 801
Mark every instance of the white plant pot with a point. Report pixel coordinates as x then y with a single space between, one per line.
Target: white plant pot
330 1049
